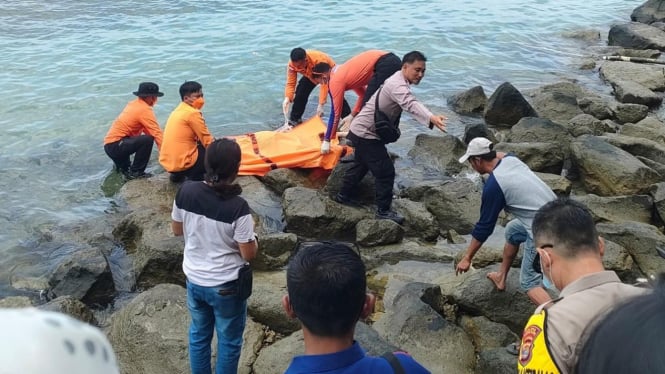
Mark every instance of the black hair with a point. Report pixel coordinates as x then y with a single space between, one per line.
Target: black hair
326 285
629 340
298 54
569 223
412 57
222 162
188 88
321 68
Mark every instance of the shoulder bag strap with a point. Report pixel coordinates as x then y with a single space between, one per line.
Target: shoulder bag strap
376 105
394 363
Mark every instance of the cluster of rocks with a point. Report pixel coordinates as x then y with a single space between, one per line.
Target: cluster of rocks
607 151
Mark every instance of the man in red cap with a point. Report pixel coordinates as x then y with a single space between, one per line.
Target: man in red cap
133 133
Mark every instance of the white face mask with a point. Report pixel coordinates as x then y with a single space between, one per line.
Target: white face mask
547 281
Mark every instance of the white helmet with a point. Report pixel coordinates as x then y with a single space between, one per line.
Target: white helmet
37 341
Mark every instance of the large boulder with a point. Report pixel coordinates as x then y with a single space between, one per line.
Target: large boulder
413 324
630 113
71 306
649 128
471 101
640 240
407 250
507 106
265 303
373 232
477 130
587 124
310 214
648 75
418 222
649 12
636 35
607 170
456 205
559 184
496 361
619 208
438 153
274 251
540 156
618 259
156 255
150 334
486 334
85 275
530 130
595 106
475 295
556 106
280 179
630 92
638 146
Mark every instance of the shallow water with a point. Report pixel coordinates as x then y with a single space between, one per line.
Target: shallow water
69 67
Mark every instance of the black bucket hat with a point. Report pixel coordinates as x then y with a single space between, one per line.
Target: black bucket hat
147 89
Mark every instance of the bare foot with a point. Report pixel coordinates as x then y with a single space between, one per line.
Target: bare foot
498 280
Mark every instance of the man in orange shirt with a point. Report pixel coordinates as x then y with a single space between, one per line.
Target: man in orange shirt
303 62
363 73
133 132
186 136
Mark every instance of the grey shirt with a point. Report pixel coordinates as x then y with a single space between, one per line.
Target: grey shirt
582 303
395 94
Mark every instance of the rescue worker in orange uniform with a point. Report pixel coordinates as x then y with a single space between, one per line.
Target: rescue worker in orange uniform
570 253
186 136
364 74
133 133
302 62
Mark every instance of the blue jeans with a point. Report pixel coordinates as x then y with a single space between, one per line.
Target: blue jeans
211 311
516 233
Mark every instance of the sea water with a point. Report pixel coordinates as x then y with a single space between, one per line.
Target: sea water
67 68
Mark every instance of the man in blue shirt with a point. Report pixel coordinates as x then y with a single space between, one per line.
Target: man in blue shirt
513 187
326 288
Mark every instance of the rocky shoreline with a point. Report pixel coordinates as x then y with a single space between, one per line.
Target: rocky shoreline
123 272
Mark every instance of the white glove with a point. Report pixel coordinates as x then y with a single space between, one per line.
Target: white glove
325 147
345 123
319 110
285 105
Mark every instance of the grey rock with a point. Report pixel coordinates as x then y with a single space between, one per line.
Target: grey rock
636 35
630 92
596 107
419 222
630 113
648 75
455 205
625 175
439 153
507 106
540 156
649 12
471 101
373 232
274 251
619 208
640 240
71 306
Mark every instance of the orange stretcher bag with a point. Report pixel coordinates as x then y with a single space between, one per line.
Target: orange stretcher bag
299 147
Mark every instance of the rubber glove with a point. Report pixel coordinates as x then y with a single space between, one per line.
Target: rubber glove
345 123
285 105
319 110
325 147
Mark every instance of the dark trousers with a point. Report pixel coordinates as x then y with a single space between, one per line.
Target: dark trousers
385 66
140 146
370 155
303 90
197 171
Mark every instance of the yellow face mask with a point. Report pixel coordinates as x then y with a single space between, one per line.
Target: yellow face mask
198 103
